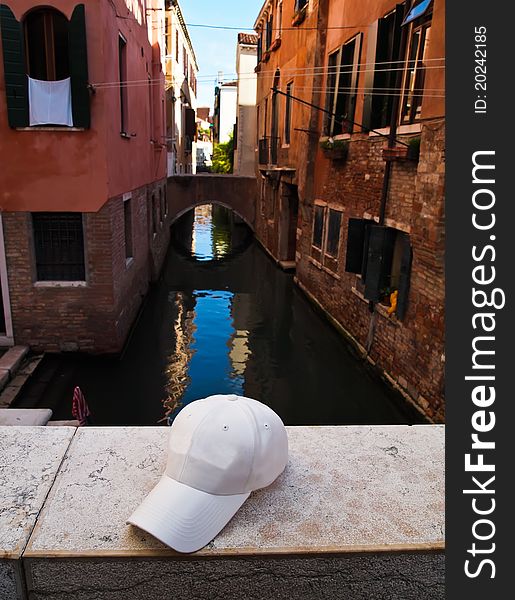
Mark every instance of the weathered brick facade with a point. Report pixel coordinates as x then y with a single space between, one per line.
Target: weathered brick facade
95 316
411 351
406 345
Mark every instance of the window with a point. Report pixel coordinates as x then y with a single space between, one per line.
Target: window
46 38
300 5
415 69
334 220
168 37
318 227
269 29
127 222
260 47
382 255
38 46
326 236
177 45
122 70
383 78
287 113
342 81
279 24
59 246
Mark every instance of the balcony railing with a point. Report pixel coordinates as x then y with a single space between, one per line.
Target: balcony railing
268 150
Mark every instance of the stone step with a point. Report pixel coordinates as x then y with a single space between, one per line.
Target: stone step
12 359
25 416
13 379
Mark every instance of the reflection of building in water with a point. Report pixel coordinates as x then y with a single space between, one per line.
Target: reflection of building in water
239 353
177 368
221 232
201 222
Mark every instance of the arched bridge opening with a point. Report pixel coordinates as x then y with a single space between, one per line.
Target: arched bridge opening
234 192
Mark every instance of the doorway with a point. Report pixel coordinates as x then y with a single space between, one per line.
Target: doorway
289 207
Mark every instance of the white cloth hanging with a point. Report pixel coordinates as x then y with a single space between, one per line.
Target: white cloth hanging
50 102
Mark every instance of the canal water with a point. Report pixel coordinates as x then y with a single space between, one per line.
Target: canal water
223 318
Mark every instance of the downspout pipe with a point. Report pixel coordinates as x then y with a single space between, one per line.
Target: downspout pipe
394 118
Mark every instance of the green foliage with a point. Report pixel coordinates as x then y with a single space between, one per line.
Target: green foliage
335 149
331 144
223 156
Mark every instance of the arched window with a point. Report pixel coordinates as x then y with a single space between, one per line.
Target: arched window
46 39
48 47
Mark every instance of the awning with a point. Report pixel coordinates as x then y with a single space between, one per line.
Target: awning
417 11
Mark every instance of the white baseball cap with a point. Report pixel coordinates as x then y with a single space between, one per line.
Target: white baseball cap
220 449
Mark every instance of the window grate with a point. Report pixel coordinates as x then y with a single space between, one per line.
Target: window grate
59 246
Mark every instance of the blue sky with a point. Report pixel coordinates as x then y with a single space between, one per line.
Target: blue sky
216 49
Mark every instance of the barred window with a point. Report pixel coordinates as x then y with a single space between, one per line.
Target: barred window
59 246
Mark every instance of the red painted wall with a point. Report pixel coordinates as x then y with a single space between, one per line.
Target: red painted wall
81 170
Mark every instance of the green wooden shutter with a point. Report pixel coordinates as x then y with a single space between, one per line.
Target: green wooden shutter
79 68
16 82
405 275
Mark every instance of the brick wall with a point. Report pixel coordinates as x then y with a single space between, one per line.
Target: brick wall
409 352
95 317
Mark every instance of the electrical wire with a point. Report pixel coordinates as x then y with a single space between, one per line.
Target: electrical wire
117 83
326 68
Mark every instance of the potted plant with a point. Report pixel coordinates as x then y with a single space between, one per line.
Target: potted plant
405 151
335 149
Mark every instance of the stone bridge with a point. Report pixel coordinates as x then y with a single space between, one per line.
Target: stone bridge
235 192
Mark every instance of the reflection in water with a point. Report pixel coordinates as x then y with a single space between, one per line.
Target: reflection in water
224 319
177 369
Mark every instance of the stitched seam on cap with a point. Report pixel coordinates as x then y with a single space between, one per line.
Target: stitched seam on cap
250 414
188 453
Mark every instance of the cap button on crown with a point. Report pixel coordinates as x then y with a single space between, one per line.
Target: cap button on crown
232 397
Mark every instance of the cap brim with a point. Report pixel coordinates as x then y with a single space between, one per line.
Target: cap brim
182 517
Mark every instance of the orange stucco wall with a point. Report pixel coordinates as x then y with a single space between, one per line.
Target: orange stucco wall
81 170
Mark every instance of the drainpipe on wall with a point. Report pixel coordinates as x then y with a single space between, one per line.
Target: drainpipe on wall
388 168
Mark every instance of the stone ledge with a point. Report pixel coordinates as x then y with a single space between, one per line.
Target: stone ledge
359 508
345 489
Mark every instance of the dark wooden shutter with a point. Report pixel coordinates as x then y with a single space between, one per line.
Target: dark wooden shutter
355 245
405 276
190 123
79 68
16 82
379 261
